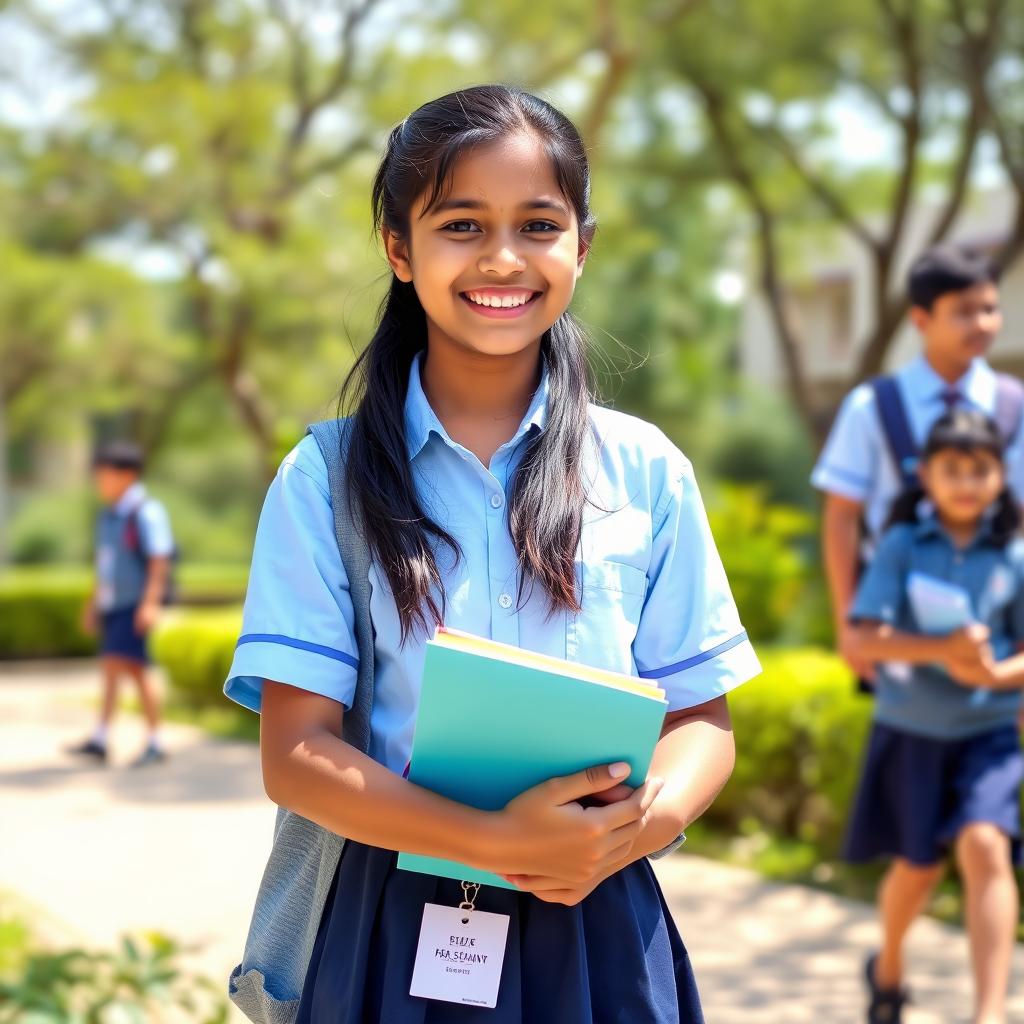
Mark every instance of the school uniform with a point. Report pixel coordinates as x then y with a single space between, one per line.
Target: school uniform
941 755
856 463
655 603
133 530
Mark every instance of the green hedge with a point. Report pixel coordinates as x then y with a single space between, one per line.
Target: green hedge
195 649
800 729
800 733
40 608
40 613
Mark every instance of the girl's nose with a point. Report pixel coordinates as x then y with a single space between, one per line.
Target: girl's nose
502 259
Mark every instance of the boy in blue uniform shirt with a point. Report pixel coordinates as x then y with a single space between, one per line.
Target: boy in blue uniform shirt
134 548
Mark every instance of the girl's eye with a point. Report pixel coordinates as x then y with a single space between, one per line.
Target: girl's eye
460 227
541 226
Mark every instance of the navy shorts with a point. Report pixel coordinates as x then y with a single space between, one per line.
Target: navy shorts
118 636
917 793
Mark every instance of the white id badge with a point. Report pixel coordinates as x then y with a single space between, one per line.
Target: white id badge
460 955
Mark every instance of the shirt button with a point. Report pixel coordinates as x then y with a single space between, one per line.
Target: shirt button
497 501
505 600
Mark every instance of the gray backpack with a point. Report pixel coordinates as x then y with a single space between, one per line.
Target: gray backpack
267 984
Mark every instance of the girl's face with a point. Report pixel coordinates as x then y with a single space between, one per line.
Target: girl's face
495 262
962 484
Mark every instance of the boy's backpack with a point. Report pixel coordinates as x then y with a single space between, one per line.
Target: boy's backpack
267 985
896 426
133 539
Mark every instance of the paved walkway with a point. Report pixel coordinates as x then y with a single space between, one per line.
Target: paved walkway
181 847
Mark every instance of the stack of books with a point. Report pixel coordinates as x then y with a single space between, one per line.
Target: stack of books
495 721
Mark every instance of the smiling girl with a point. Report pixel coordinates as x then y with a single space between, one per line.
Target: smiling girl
499 500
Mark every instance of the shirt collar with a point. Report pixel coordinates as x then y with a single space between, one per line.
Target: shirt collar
421 421
131 499
930 526
977 385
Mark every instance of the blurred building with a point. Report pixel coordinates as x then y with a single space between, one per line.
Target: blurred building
832 307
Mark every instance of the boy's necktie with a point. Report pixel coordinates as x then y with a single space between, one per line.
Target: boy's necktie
951 397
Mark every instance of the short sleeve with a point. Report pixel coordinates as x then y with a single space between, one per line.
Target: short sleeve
689 640
297 626
848 463
881 592
155 526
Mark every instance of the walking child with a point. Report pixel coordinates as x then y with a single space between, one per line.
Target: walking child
943 768
498 500
134 550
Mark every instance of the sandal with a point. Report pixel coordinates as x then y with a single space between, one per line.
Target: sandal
886 1006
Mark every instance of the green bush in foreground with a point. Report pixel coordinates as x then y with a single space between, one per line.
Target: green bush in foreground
141 983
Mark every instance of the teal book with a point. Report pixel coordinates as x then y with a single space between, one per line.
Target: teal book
495 720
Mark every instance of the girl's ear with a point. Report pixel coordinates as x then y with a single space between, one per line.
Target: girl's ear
397 250
581 257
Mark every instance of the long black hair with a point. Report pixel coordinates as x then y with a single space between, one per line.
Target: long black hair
964 430
545 508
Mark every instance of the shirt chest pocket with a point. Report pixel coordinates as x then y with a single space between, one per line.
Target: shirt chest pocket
602 634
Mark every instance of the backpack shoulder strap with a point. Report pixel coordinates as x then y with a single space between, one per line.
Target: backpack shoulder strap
893 416
1009 406
332 437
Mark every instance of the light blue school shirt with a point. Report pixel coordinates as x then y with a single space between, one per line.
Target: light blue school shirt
856 462
121 570
655 600
925 699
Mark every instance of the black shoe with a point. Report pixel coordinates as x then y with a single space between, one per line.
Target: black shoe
886 1006
151 755
90 748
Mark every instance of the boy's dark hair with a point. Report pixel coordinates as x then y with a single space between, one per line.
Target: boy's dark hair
119 455
545 506
965 430
948 268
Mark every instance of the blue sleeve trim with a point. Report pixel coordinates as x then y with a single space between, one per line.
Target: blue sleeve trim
697 659
842 474
301 645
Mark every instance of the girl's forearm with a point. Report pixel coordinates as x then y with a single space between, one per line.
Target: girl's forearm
882 643
335 785
1009 673
695 756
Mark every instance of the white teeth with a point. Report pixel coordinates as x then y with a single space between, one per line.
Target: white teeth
499 302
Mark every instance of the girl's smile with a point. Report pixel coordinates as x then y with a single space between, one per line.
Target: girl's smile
500 303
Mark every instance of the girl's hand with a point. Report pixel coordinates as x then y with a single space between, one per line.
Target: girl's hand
552 890
968 644
544 832
983 672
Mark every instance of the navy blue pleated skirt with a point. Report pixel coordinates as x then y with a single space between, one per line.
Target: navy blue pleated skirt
616 958
918 793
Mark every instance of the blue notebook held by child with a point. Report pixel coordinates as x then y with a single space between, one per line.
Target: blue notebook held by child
495 720
940 608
